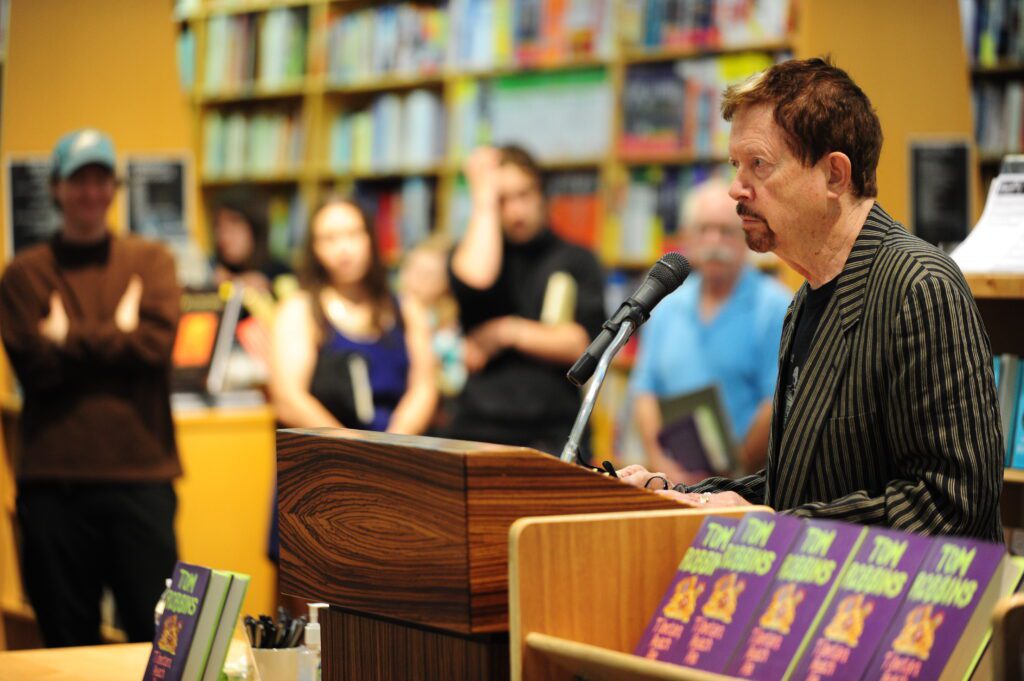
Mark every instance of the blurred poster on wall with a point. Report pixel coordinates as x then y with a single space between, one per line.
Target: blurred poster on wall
155 197
940 190
32 215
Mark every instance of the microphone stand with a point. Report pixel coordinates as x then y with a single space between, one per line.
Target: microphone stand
571 451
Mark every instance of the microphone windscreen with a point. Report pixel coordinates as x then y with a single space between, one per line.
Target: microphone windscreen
671 270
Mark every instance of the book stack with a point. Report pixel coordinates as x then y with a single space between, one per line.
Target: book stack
401 215
535 109
574 207
557 31
673 108
287 221
400 41
667 24
395 133
479 37
649 215
282 47
998 116
790 598
185 53
992 31
200 613
240 144
1009 373
230 63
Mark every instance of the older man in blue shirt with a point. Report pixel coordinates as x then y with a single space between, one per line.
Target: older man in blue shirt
722 327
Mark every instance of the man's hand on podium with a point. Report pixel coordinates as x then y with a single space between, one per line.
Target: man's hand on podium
638 476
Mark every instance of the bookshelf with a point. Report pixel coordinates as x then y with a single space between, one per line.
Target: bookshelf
1000 299
336 81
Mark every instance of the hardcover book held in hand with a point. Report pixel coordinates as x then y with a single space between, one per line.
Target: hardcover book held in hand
669 624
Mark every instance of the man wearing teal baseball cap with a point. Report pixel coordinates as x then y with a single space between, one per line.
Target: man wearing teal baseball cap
88 320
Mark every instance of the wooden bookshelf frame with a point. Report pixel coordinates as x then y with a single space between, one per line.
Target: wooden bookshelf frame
317 96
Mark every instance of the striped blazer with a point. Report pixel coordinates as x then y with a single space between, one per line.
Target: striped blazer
895 420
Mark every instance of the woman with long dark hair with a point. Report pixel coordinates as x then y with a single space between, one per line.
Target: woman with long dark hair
346 353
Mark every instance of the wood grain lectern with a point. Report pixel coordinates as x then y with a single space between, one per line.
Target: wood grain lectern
407 539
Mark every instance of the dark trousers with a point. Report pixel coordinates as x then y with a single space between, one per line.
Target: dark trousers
79 537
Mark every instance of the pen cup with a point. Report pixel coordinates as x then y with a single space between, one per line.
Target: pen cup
277 664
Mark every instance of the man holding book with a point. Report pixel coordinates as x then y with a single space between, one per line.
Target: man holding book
529 304
721 328
88 321
886 412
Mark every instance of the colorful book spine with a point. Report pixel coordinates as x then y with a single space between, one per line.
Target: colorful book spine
739 586
803 587
869 595
1015 435
933 620
182 604
672 618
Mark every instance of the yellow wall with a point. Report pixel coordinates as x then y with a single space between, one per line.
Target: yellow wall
908 56
110 64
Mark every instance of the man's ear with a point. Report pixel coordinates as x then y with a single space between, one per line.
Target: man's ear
840 173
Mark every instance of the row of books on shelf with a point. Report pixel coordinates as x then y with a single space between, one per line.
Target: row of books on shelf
674 107
565 115
395 132
402 215
993 31
195 629
249 144
998 116
651 209
1009 373
242 50
774 597
653 24
392 41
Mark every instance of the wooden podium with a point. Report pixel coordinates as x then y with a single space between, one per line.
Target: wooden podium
407 538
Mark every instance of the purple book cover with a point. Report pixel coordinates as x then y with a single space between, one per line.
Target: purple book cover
941 601
177 626
673 615
802 587
869 595
738 587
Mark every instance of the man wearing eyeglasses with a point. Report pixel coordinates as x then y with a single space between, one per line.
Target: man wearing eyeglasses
722 328
88 320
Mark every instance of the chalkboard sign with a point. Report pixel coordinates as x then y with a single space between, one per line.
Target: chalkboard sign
31 213
940 190
156 195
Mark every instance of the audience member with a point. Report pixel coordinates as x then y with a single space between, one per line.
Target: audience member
88 320
241 248
529 304
722 327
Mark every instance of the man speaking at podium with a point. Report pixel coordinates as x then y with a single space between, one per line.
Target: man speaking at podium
885 409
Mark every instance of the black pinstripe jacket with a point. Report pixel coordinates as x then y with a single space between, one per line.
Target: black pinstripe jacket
895 420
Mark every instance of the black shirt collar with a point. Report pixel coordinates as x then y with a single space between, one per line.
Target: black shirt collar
73 254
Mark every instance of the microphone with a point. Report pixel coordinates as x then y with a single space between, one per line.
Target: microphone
664 277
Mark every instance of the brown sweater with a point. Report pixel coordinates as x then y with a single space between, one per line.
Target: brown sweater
97 408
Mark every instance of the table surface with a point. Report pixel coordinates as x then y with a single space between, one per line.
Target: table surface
124 662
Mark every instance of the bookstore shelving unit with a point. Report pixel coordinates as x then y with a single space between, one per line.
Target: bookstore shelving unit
314 98
1000 299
